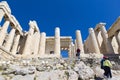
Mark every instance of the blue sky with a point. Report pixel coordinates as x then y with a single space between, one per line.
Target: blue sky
69 15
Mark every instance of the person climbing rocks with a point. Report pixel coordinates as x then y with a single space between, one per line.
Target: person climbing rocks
107 67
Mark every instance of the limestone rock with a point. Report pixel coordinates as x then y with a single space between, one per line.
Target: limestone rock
85 72
2 78
20 77
72 75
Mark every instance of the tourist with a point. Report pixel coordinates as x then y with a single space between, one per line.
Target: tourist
107 67
78 53
101 62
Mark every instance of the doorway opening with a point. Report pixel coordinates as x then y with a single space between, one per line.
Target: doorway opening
64 53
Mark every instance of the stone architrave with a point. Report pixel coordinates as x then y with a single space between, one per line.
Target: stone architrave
94 41
57 42
15 44
42 44
79 41
9 40
107 42
2 13
28 43
3 31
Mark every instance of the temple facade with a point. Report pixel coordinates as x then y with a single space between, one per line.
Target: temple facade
15 42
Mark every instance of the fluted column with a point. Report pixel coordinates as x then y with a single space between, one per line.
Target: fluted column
2 13
10 38
79 41
69 51
3 31
72 50
42 43
15 44
36 41
28 43
75 47
94 43
57 42
107 43
117 35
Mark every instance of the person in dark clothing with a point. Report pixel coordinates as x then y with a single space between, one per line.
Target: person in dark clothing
107 67
78 53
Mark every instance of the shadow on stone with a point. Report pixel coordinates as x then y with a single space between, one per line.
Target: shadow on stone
79 78
98 78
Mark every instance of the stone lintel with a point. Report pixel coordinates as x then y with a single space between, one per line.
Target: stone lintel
15 24
4 5
114 28
62 38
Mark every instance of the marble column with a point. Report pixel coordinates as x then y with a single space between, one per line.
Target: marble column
57 42
75 47
36 41
2 13
3 31
72 50
117 35
104 34
15 44
28 42
79 41
42 44
94 43
97 36
10 38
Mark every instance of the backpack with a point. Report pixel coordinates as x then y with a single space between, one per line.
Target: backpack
101 63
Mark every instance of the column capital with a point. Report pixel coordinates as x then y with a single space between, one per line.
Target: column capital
36 26
91 30
101 24
77 30
43 33
57 29
57 32
31 24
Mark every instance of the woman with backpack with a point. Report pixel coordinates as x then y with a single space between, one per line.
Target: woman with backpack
107 67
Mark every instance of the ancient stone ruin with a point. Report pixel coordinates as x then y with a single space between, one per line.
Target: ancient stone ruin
34 56
15 42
